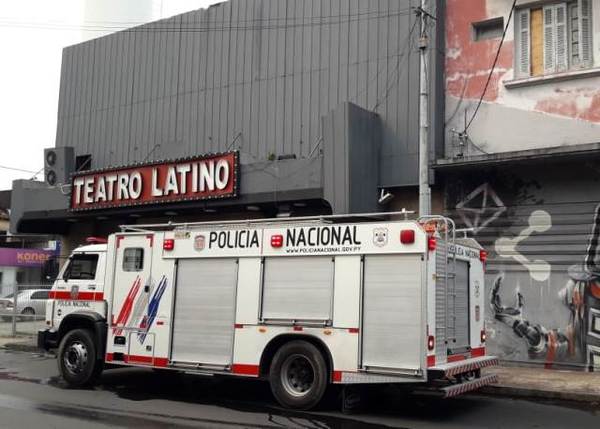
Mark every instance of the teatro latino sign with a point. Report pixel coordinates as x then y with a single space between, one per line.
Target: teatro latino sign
198 178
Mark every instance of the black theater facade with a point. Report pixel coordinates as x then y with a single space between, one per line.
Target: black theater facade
248 109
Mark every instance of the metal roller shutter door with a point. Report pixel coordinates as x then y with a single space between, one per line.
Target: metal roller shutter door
204 316
298 288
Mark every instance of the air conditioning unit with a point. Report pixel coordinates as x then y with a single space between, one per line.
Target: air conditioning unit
59 163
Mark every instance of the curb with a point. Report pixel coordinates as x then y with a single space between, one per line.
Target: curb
525 393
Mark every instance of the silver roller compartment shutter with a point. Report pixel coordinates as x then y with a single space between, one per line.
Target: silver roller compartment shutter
392 312
298 288
458 308
204 318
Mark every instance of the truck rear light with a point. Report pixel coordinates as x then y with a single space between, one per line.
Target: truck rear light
483 256
168 244
431 244
483 336
407 236
277 240
430 342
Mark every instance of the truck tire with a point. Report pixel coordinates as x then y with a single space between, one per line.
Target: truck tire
298 375
77 361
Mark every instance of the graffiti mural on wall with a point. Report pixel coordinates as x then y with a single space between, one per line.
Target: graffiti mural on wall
543 281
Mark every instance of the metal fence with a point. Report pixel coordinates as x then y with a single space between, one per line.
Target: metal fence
22 309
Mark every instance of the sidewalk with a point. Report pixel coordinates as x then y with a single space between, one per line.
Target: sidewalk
532 382
19 343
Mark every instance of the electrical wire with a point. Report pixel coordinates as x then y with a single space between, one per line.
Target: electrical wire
489 78
20 169
181 27
404 56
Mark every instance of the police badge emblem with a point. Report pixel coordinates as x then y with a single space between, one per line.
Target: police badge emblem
380 237
199 242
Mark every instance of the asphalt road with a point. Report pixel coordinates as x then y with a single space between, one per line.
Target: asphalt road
32 396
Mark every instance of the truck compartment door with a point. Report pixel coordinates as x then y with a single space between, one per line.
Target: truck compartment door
204 312
392 331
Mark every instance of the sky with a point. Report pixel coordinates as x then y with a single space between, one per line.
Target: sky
32 36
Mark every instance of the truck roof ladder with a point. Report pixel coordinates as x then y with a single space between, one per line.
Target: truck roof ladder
364 217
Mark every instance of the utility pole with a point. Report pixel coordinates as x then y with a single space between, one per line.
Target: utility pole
424 189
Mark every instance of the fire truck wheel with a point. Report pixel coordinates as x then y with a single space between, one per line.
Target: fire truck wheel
298 375
77 358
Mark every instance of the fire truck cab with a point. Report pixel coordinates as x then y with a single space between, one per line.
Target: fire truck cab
304 303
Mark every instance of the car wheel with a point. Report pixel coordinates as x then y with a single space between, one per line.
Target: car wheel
77 358
27 312
298 375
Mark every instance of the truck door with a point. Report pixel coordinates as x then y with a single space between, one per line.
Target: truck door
393 314
132 292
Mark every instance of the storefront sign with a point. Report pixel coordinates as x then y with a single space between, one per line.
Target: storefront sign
10 257
208 177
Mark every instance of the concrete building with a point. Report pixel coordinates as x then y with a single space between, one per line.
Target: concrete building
524 175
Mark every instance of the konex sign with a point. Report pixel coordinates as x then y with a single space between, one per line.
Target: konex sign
198 178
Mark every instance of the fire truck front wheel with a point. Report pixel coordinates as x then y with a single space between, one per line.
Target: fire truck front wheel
298 375
77 361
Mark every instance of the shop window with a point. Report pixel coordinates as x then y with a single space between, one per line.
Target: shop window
133 259
81 267
489 29
554 38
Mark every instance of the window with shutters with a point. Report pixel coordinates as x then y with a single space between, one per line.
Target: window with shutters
553 38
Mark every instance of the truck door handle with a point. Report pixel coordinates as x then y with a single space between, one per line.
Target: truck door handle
92 287
147 288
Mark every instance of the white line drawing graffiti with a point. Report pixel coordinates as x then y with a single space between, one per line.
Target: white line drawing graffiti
472 212
539 221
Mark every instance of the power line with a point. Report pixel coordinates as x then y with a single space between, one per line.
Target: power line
489 78
182 27
127 24
19 169
397 68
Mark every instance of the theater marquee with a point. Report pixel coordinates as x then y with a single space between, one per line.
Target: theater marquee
199 178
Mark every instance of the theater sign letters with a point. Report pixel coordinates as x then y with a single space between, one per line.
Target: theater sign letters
200 178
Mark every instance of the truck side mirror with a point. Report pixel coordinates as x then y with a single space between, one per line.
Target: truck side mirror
50 269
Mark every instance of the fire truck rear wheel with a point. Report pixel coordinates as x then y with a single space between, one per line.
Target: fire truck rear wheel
77 361
298 375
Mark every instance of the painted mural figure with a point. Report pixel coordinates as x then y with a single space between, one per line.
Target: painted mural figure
580 340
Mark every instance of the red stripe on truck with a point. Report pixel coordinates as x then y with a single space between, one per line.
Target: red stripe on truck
478 352
80 296
242 369
140 360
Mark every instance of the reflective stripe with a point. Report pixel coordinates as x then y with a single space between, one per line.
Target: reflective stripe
80 296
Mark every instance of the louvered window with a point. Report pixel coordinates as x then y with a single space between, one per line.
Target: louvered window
554 38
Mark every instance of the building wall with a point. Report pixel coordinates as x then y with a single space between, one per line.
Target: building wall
257 75
535 219
533 115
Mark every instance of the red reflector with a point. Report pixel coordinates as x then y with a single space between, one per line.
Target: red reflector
277 240
483 336
298 328
407 236
168 244
430 342
482 255
431 244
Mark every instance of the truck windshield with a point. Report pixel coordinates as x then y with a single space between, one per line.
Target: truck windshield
81 267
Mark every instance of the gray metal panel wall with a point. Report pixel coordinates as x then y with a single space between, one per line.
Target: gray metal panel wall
250 74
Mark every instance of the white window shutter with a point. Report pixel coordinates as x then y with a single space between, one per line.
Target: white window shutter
561 38
549 39
585 32
523 43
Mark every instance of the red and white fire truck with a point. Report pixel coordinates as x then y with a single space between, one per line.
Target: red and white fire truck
303 302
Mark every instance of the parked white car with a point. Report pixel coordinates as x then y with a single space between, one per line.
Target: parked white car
30 302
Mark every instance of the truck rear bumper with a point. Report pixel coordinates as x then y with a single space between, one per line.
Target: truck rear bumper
460 367
47 339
